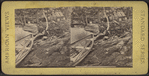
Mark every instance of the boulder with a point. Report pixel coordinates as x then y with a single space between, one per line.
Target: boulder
31 28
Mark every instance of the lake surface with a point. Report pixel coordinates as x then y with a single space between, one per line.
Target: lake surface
20 33
78 33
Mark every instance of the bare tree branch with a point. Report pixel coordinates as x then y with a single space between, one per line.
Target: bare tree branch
46 21
106 18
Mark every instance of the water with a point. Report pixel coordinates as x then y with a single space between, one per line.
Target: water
78 33
20 33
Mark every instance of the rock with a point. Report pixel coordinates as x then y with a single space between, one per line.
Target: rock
124 49
120 19
129 57
117 28
106 52
109 59
130 41
63 50
44 37
122 52
93 28
46 52
106 37
120 44
129 64
36 64
31 28
125 18
35 59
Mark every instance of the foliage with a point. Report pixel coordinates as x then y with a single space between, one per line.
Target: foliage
57 18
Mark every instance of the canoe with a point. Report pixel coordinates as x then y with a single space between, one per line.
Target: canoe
21 42
22 48
82 48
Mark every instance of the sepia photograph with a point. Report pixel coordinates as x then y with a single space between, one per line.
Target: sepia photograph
101 36
42 37
73 37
